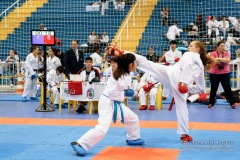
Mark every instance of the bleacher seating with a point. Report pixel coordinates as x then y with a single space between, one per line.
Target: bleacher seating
5 4
184 12
69 20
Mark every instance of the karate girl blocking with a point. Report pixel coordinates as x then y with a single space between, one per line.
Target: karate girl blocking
177 78
110 108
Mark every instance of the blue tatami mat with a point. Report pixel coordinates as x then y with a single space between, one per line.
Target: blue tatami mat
219 102
25 142
197 113
13 97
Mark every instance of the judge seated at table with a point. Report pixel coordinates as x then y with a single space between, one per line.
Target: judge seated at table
87 74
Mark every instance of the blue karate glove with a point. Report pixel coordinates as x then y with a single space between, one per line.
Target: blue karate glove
33 76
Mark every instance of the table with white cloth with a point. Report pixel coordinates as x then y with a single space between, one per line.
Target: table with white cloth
90 93
93 8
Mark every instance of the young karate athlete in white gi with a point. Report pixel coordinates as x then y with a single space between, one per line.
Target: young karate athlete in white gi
110 108
31 68
146 79
54 77
190 68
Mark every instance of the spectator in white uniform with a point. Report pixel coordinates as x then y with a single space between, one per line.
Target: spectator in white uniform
52 61
223 26
173 55
146 79
213 27
87 74
109 71
54 77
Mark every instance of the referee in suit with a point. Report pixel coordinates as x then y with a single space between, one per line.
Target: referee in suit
73 59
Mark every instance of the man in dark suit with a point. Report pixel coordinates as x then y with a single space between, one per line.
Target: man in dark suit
73 59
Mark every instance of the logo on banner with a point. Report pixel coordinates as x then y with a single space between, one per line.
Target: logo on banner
90 93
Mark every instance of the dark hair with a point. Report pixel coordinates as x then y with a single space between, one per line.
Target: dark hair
173 42
60 69
220 42
113 59
88 59
96 48
140 74
40 70
33 47
165 49
14 51
123 62
54 51
212 17
57 50
75 40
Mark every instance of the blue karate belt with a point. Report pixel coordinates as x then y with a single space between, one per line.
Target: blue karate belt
116 104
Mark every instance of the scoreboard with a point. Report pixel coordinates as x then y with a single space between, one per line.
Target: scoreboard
43 37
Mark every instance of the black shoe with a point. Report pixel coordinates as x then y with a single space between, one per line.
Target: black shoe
80 109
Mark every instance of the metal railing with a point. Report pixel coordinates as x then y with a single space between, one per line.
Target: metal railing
9 74
132 14
6 11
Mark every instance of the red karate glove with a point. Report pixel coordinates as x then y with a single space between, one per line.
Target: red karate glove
177 59
202 97
166 63
147 87
113 49
182 89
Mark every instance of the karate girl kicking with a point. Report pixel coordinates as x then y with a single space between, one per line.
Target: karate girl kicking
110 108
189 69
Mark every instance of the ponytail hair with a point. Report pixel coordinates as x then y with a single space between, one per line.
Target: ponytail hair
207 61
123 62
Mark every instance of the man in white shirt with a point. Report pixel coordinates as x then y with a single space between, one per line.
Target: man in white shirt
173 31
96 58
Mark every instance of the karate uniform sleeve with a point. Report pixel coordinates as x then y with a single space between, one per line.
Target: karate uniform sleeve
169 58
50 78
83 75
116 89
186 75
148 66
28 65
48 64
144 78
198 76
99 60
58 62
